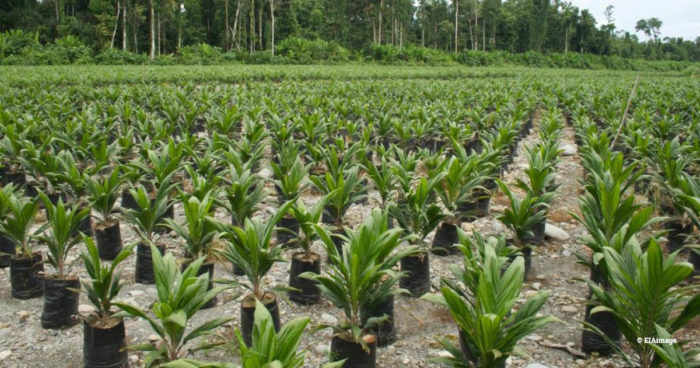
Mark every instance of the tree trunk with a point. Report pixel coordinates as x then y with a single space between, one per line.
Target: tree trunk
158 34
58 14
456 25
260 28
226 33
483 36
566 40
272 26
124 36
374 32
235 24
252 26
116 23
153 31
471 33
476 25
381 6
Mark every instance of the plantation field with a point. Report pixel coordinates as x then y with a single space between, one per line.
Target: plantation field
223 145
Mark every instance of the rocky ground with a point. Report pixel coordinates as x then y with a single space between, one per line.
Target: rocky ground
23 343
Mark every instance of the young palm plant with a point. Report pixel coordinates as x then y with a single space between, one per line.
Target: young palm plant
290 181
357 278
612 219
417 215
249 248
542 161
488 330
521 217
7 247
456 193
60 299
243 194
198 233
103 195
645 297
305 291
104 338
16 225
180 296
269 348
145 216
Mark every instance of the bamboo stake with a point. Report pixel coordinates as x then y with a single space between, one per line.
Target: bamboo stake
627 108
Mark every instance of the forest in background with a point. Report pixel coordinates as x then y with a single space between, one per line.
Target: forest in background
471 32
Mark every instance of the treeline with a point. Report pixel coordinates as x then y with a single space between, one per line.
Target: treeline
24 49
263 29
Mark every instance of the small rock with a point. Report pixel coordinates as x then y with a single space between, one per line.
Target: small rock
134 358
569 309
322 348
555 233
23 315
327 319
535 365
568 149
535 338
136 292
153 338
4 332
265 173
5 354
536 285
443 354
529 293
566 253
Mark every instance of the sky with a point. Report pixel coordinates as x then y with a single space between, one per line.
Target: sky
681 18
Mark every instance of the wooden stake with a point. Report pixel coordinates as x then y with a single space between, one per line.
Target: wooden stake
627 108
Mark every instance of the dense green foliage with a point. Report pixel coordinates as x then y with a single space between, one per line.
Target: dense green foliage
488 32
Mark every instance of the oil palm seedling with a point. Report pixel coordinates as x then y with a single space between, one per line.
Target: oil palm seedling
242 194
103 194
146 215
16 225
645 298
521 217
612 219
11 146
269 347
60 298
198 233
76 180
181 294
104 337
7 247
250 249
542 159
481 303
291 179
417 215
672 164
304 290
346 189
358 277
382 307
381 176
457 194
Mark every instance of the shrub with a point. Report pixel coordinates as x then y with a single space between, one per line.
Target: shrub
302 50
119 57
